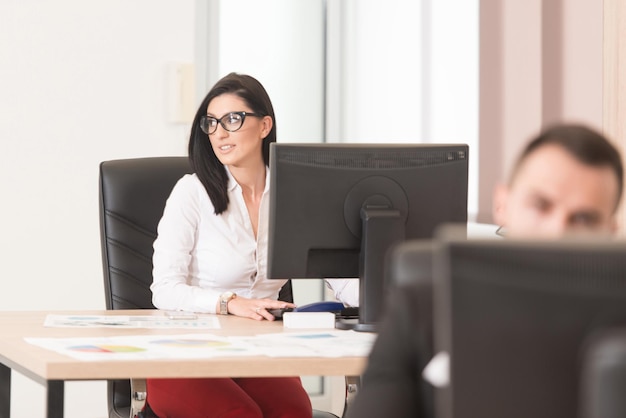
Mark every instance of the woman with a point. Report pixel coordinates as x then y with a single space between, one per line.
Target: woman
211 250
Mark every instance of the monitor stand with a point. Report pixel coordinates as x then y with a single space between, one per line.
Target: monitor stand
382 227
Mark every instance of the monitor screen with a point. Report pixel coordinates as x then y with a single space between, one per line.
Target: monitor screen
516 316
335 209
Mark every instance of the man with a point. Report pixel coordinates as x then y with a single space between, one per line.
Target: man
568 180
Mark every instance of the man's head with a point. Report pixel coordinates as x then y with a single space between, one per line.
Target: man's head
567 180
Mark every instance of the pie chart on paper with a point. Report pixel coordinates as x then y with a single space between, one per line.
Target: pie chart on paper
106 348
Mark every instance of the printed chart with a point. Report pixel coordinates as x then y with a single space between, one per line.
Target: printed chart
137 347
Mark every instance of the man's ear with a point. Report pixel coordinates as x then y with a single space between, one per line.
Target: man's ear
499 208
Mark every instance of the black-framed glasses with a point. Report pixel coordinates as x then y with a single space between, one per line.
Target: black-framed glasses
231 122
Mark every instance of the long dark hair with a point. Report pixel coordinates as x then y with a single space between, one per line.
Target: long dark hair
204 162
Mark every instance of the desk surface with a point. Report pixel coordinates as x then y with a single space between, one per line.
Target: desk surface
42 365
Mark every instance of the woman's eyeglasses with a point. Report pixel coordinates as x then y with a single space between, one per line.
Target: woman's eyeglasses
231 122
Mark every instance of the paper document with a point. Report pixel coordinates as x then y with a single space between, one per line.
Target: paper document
133 321
204 345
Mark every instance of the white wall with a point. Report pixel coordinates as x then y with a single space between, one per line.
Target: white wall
80 82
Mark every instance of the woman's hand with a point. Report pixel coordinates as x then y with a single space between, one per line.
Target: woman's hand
256 308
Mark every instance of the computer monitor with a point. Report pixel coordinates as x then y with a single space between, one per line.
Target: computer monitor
516 317
335 209
604 376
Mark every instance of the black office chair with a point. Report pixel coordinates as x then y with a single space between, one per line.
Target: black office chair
132 197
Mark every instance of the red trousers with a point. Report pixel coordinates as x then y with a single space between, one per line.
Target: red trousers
272 397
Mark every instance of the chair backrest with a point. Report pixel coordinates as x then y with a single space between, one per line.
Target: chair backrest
132 197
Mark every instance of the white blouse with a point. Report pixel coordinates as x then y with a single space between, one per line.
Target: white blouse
199 255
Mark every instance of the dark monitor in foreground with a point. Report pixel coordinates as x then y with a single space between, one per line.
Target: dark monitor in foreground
604 376
335 209
516 317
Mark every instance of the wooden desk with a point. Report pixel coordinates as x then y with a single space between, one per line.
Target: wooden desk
51 369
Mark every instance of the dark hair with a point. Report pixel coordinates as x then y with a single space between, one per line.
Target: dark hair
581 142
204 162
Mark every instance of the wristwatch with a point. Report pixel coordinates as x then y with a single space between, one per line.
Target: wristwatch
224 299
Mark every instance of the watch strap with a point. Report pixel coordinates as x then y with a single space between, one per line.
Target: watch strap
224 299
